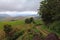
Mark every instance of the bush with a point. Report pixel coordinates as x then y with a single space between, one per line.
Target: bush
7 28
56 27
32 20
29 20
12 34
18 34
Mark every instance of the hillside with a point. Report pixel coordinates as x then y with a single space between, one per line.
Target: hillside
3 16
6 17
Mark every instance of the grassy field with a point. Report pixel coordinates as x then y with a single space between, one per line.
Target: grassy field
13 23
21 26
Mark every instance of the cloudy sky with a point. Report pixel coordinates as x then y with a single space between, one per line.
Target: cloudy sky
15 6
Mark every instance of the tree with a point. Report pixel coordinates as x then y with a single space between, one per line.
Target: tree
50 13
27 21
32 20
49 9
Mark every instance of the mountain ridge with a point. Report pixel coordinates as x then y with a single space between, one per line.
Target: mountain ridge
17 17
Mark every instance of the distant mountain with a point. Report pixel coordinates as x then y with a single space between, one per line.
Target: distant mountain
3 16
7 17
20 17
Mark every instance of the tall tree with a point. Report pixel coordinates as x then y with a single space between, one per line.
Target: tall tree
50 13
49 9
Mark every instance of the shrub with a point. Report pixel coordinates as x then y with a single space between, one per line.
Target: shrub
7 28
27 21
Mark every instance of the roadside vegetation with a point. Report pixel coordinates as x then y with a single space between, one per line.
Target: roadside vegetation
45 28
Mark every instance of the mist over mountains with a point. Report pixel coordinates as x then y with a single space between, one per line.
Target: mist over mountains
25 15
16 16
3 16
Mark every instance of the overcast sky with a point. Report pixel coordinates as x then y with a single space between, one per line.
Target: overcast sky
14 6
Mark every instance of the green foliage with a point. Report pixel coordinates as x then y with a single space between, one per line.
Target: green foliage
12 34
17 35
29 20
56 26
7 28
13 23
49 10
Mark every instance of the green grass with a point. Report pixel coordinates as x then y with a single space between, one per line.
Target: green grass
13 23
39 21
20 24
44 27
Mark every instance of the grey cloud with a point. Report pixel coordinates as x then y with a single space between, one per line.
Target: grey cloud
19 5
